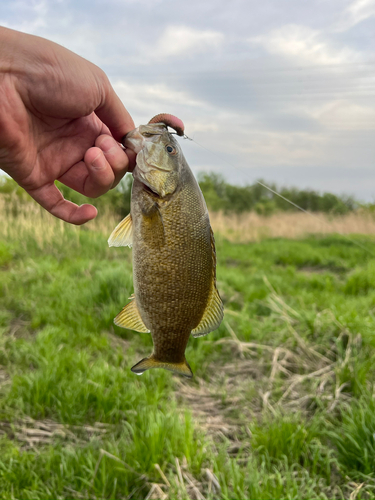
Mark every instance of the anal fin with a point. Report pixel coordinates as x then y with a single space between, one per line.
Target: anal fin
122 235
130 318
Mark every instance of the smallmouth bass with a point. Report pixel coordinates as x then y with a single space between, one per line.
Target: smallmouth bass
174 259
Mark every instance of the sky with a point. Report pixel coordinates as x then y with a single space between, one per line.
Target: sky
279 90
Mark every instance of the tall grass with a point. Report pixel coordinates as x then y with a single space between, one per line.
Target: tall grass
250 226
19 214
20 220
281 405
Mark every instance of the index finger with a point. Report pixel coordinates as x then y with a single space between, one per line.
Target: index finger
50 198
114 114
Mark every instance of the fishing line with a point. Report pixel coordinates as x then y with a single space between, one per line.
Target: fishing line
240 169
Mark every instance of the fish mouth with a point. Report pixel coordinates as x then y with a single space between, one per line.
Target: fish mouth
145 165
149 190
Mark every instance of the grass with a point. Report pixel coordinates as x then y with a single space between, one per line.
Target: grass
281 405
250 226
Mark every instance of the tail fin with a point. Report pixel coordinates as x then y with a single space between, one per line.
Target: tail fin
182 368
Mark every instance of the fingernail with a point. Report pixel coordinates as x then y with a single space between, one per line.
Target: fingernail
97 162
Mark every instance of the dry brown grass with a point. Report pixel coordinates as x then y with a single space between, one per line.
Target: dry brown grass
20 219
32 433
295 376
249 227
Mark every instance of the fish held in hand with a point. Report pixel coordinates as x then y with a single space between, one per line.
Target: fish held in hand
174 260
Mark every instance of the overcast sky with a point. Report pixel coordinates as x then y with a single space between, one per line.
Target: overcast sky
283 90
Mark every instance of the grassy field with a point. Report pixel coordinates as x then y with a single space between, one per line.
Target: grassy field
251 227
282 404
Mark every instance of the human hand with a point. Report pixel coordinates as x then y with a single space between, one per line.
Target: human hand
60 119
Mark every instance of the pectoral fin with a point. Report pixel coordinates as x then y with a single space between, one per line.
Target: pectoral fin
214 312
122 235
130 318
182 368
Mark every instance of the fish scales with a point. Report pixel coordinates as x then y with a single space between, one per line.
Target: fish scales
173 251
170 281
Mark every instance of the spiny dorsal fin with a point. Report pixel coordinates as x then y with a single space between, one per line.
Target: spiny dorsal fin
214 312
182 368
130 318
122 235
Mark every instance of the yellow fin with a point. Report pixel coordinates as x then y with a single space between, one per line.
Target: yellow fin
212 315
130 318
122 235
214 312
150 362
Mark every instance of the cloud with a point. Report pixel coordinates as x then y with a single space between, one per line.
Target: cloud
267 148
142 95
346 115
147 100
296 103
305 46
177 40
355 13
33 21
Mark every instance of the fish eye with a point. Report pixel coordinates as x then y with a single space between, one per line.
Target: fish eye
170 149
147 134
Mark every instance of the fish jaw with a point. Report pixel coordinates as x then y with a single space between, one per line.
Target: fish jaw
134 140
156 167
162 182
153 157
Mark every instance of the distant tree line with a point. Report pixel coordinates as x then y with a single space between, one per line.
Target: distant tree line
219 195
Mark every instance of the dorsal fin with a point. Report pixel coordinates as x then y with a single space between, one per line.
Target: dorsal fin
214 312
122 235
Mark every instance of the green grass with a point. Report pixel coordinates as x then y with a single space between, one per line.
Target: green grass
289 374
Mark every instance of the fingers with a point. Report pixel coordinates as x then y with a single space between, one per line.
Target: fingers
114 155
132 158
106 164
100 176
50 198
103 167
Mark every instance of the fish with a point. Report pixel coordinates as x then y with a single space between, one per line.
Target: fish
173 249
